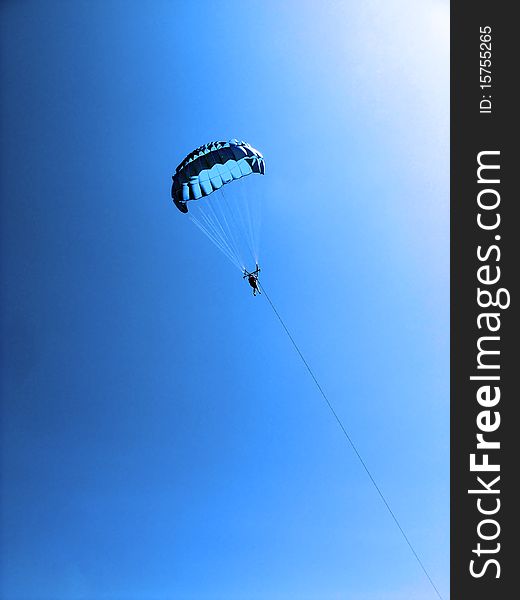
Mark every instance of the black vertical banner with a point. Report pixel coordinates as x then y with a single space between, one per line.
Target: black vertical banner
485 252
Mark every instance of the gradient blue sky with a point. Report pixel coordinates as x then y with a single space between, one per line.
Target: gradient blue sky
160 438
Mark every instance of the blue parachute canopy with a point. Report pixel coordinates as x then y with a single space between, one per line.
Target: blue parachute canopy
211 166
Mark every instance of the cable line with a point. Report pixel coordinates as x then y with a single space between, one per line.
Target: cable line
350 441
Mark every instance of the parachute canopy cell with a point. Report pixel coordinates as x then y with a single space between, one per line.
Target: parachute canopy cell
211 166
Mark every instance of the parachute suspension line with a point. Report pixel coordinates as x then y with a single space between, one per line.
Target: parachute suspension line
253 220
349 439
228 217
253 224
229 232
233 215
248 222
224 248
212 228
239 211
211 218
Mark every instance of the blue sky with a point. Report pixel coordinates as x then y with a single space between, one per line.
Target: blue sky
160 437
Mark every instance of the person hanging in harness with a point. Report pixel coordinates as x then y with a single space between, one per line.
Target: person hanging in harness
252 279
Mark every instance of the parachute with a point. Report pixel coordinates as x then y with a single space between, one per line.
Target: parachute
231 220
